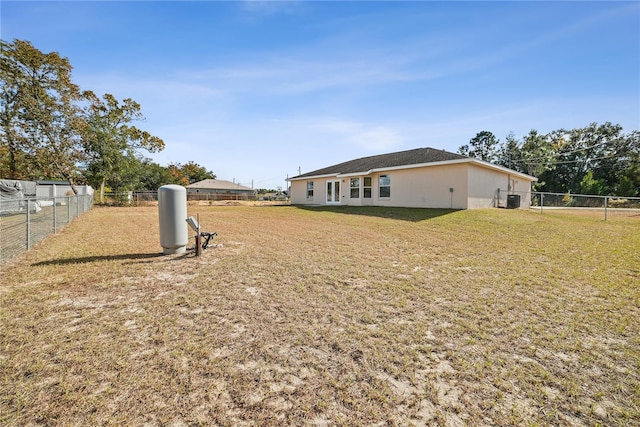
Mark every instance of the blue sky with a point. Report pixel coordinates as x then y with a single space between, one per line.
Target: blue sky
255 90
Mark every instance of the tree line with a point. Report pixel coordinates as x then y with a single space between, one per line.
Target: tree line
598 159
51 129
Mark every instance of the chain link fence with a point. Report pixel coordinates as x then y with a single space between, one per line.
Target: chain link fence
585 204
601 205
25 222
147 198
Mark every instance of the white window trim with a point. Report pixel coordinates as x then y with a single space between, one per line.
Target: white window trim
380 186
312 190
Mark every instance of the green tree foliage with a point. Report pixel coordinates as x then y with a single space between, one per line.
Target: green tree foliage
189 173
596 159
111 142
39 117
152 176
483 146
195 173
590 185
49 129
509 154
537 153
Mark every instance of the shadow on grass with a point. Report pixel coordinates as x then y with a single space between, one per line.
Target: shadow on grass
403 214
97 258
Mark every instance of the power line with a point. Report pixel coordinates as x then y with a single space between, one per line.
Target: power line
566 153
552 162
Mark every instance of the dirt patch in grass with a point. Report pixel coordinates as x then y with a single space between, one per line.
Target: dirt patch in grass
326 317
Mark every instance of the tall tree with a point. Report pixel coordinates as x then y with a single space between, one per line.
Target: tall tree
596 159
180 178
195 173
483 146
153 176
537 155
510 154
595 148
629 181
39 117
615 158
110 141
189 173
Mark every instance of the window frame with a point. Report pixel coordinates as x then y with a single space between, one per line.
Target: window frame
309 190
367 189
387 193
354 189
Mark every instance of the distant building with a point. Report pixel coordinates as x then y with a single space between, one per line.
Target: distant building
218 189
52 188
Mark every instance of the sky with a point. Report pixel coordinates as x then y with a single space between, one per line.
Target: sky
258 91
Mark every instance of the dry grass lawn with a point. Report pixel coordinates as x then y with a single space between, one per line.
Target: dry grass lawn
325 317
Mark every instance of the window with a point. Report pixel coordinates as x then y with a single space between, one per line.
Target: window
309 189
354 184
384 184
366 189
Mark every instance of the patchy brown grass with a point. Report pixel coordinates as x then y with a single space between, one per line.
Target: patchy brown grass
326 317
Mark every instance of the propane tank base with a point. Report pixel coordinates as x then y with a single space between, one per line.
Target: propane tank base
171 251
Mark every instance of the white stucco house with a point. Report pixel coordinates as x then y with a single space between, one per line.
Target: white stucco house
423 177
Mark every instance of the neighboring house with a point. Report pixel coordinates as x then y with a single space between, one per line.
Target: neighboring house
220 189
423 177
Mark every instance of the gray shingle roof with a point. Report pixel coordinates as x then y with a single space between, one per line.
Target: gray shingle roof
382 161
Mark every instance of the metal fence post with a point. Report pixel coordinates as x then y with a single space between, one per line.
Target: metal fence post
28 225
541 201
606 205
68 209
55 225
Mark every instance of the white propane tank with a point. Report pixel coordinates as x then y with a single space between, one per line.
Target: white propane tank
172 211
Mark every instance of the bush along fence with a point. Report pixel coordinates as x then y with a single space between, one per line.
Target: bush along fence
25 222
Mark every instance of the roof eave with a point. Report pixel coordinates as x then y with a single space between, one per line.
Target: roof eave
488 165
477 162
304 178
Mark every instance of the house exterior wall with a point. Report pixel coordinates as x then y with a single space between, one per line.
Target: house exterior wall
474 187
426 187
415 187
298 192
484 184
